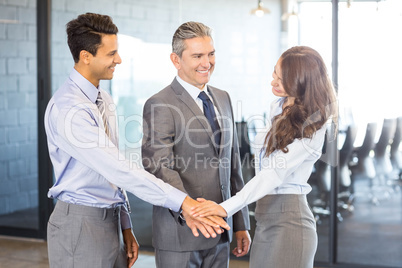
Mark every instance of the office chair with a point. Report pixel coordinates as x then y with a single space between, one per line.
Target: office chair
246 157
364 168
322 177
245 151
395 153
345 182
382 160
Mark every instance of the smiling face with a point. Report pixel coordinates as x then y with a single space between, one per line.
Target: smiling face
101 66
277 85
197 62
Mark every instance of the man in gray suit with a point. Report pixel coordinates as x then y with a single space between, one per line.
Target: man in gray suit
190 142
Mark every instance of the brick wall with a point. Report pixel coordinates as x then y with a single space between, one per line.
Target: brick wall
18 106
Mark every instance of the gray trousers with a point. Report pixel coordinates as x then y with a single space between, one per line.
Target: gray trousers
285 236
82 237
216 257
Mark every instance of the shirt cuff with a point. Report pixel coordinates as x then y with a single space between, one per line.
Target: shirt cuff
125 220
175 199
232 205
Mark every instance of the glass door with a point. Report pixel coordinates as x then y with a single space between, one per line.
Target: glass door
25 170
315 27
18 116
369 68
369 201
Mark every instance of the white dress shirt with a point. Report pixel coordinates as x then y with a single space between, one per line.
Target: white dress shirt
279 173
194 92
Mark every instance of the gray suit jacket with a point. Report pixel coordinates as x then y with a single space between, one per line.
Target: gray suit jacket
178 148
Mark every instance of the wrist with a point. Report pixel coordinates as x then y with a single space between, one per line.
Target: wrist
182 219
185 206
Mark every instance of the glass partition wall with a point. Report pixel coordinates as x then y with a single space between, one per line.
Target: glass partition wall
25 171
368 229
19 209
369 94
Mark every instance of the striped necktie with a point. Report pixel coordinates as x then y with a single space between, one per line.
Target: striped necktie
101 106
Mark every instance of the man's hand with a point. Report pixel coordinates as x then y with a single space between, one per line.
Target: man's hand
243 243
132 247
208 226
205 229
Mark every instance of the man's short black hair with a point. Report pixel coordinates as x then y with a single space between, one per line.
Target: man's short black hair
85 33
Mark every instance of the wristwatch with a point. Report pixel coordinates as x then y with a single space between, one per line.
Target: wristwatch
182 220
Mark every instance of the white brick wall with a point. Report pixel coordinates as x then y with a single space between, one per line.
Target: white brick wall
8 49
2 67
8 12
8 83
21 3
18 113
2 141
8 152
17 65
2 31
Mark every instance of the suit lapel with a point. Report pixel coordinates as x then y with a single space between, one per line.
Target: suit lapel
183 96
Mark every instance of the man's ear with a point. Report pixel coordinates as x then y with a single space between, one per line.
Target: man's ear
85 56
176 60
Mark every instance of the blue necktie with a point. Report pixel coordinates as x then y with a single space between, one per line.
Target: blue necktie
209 113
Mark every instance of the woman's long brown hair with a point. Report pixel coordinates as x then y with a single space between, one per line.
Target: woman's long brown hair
304 77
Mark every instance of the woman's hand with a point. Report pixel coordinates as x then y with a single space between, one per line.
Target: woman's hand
208 226
208 208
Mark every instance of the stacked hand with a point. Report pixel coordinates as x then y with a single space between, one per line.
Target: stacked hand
206 209
209 225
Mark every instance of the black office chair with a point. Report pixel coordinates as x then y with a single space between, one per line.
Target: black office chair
322 178
247 159
345 181
364 169
395 153
382 158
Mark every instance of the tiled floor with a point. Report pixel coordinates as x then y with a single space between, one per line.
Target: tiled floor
23 253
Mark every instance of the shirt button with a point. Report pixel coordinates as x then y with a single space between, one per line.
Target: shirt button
222 187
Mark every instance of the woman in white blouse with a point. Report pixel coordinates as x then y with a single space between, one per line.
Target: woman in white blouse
285 236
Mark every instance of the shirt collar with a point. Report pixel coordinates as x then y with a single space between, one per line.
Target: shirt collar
86 87
192 90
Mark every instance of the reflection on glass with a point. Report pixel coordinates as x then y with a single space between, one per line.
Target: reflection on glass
146 69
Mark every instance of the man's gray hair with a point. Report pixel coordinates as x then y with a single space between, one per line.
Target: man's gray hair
188 30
